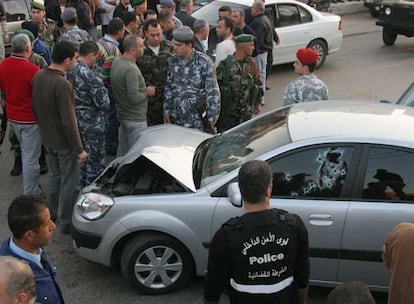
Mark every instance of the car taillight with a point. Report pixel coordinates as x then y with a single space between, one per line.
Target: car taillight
340 24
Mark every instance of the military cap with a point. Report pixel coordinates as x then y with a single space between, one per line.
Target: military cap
138 2
307 56
183 33
25 32
37 5
68 14
245 38
167 3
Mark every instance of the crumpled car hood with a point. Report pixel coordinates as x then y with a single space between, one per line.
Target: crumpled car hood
170 147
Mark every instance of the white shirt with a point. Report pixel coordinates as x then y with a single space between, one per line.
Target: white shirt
223 49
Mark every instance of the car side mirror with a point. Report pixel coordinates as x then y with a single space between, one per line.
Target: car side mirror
234 195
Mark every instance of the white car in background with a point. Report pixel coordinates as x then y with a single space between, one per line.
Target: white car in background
16 12
297 24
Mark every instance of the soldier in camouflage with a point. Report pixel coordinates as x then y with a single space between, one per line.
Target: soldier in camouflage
307 87
154 66
48 28
72 32
191 95
240 86
92 102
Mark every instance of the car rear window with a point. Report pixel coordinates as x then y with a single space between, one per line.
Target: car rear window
209 12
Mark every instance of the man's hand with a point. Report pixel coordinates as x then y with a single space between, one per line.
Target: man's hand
82 157
212 124
151 91
167 119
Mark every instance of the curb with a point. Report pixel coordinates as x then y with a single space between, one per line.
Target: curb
348 7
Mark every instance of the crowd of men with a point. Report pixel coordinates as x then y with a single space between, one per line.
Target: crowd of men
71 99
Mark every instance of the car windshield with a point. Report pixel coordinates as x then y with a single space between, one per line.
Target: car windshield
16 10
407 99
209 12
219 155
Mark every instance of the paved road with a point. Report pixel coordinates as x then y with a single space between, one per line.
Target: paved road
362 69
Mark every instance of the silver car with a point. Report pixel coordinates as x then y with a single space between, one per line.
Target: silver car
346 168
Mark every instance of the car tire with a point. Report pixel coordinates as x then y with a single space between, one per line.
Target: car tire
320 46
165 264
388 36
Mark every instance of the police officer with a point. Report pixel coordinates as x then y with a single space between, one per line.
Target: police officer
191 95
262 256
72 32
307 87
92 102
240 86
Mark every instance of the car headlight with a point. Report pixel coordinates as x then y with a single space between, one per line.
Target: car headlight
93 206
387 11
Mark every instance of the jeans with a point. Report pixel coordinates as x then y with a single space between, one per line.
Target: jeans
261 62
128 134
63 183
28 136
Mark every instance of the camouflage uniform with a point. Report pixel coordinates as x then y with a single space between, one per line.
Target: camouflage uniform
92 102
241 90
154 68
190 90
49 32
305 88
38 60
75 35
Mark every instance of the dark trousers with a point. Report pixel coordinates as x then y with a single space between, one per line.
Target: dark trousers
269 63
63 184
112 126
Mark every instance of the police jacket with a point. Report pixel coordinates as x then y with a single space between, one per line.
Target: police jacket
47 288
261 257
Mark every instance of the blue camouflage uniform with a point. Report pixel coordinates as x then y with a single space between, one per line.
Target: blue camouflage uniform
191 89
75 35
305 88
92 103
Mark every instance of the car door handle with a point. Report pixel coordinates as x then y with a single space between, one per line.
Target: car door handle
321 219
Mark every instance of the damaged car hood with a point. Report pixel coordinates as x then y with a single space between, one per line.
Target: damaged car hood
170 147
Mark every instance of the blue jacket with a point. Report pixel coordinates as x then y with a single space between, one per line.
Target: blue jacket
39 47
47 288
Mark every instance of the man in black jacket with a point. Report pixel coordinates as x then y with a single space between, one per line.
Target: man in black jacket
184 14
263 28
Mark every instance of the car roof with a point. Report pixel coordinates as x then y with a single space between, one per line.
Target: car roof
250 2
350 119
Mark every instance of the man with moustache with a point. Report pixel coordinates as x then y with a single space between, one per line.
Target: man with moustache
154 67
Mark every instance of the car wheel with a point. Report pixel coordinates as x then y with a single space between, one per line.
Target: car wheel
156 264
388 36
320 46
373 13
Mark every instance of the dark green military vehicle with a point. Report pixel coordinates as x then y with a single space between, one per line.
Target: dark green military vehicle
396 18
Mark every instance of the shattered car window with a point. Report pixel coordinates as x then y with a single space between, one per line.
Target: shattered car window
317 173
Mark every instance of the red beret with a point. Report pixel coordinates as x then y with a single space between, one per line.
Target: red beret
307 56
